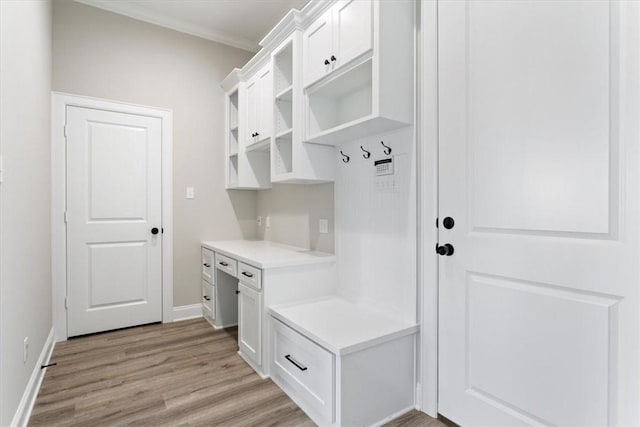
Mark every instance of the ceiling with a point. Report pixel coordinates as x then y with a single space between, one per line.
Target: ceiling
238 23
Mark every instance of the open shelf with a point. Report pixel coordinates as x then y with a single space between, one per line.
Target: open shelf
285 95
285 134
233 110
258 146
283 116
283 69
233 171
283 156
233 142
342 101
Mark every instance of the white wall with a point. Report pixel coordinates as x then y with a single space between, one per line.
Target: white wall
101 54
376 230
25 194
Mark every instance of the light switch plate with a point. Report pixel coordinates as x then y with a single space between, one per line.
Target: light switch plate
323 226
190 193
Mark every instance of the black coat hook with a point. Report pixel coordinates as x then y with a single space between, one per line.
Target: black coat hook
366 154
345 157
387 150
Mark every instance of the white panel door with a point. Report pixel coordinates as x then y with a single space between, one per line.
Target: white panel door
250 323
317 46
539 161
353 24
114 261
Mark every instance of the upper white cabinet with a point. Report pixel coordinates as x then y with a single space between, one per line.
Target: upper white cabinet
259 109
343 33
292 160
368 85
247 158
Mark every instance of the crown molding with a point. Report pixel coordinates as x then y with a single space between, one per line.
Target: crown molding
140 14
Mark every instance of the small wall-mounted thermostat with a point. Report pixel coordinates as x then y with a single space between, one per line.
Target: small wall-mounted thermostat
384 166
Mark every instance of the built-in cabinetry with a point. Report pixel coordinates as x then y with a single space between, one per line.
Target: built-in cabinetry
253 275
367 85
341 34
334 72
343 363
208 286
292 159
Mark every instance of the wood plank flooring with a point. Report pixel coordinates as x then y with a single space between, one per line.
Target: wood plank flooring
174 374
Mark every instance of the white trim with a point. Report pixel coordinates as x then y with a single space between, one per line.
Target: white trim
59 103
139 13
186 312
21 417
428 207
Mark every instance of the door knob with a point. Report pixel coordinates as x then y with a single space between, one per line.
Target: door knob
326 62
333 58
445 250
154 230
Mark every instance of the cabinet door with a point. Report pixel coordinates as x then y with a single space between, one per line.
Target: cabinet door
250 323
253 99
353 35
318 39
207 265
265 105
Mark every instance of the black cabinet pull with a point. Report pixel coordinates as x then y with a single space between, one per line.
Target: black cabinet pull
207 298
207 265
295 362
237 292
333 58
326 62
246 274
224 264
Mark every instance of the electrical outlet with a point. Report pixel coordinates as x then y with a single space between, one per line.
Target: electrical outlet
25 350
323 226
268 221
259 221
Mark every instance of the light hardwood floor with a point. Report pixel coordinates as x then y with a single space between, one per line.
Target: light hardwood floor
175 374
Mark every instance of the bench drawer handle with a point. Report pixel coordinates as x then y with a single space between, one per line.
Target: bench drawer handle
295 362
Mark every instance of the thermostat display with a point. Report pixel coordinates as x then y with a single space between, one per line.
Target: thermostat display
384 166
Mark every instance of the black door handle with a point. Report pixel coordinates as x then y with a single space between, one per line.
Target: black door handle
445 250
155 231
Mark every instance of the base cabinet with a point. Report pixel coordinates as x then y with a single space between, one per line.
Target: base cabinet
250 323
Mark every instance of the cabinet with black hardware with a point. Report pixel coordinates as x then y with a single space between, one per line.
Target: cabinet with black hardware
259 274
208 286
359 70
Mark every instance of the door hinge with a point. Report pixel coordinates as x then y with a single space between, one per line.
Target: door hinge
65 217
66 303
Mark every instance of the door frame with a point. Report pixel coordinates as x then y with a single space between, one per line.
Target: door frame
59 104
427 375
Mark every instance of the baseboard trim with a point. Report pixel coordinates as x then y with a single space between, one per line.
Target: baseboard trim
186 312
21 417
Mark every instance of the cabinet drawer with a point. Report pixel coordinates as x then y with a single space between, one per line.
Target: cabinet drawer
208 298
207 265
305 367
249 275
226 264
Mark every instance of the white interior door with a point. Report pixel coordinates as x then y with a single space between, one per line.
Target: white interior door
114 261
539 151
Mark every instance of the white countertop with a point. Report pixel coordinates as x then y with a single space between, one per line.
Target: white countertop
340 326
265 254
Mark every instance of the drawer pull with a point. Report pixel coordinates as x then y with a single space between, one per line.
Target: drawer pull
207 265
224 264
295 362
207 298
247 274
